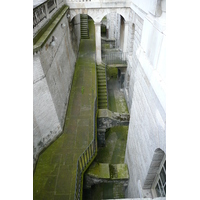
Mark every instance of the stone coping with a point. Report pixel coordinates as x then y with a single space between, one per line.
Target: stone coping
40 39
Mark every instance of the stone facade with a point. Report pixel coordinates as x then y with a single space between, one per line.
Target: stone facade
145 94
53 69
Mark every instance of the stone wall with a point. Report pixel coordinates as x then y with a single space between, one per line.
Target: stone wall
145 95
53 70
134 39
113 24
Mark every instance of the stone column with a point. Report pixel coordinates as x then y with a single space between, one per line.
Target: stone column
126 24
46 11
98 41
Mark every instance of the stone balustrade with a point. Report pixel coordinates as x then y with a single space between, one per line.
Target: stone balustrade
97 3
43 12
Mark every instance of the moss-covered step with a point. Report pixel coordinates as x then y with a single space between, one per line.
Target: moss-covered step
99 170
119 171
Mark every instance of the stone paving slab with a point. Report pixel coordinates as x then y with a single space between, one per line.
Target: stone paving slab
55 173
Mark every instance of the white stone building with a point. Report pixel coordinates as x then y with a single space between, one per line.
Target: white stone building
139 27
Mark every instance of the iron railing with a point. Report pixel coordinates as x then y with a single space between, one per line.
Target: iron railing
88 155
114 57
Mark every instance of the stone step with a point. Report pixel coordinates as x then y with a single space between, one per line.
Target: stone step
102 93
102 96
85 37
101 74
102 84
84 33
103 107
102 88
103 80
102 101
101 68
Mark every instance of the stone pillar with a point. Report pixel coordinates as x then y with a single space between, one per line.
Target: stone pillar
126 24
98 41
46 11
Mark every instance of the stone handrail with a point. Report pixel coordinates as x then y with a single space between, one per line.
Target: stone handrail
76 4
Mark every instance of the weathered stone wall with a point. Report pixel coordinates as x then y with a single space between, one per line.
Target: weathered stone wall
53 70
135 33
145 95
113 24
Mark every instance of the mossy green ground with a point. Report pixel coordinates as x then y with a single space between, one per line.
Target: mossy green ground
114 150
116 137
55 173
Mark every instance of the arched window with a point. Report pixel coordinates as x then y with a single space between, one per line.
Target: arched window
159 184
156 177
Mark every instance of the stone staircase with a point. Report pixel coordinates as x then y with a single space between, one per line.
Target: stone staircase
102 87
84 27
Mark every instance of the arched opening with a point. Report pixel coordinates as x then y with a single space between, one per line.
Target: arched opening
82 21
155 183
112 44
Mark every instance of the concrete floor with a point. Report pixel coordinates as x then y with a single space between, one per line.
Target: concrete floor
55 173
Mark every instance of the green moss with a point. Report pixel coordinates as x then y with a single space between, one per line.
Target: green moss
106 46
114 150
122 171
112 72
99 170
111 101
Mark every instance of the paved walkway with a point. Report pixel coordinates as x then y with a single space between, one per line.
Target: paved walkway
55 173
